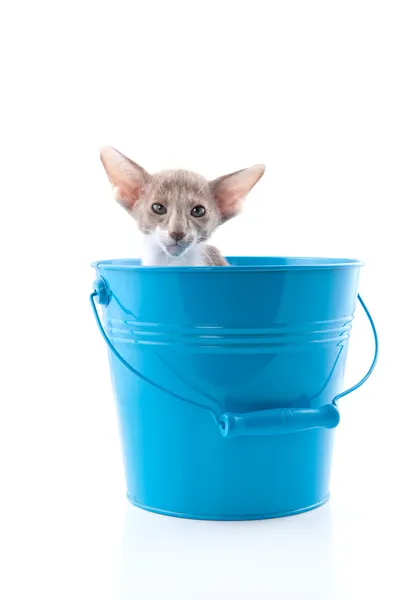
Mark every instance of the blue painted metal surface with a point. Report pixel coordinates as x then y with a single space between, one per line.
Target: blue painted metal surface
210 364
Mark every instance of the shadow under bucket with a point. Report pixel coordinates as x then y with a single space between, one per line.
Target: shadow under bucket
227 379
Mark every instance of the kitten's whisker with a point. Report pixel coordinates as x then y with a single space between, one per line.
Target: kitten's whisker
200 190
162 192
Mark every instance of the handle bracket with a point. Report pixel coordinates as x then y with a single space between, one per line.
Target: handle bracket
102 291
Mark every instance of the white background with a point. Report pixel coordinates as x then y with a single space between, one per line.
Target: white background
311 89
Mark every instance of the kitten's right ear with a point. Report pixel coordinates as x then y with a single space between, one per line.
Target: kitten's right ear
229 191
127 177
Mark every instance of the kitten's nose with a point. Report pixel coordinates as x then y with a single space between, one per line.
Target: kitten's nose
177 235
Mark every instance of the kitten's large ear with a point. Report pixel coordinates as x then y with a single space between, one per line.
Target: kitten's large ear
127 177
229 191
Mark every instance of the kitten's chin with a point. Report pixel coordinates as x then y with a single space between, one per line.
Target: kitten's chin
175 250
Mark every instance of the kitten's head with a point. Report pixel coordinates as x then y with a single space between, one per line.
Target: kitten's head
177 208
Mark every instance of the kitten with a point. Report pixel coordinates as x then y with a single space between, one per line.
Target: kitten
177 210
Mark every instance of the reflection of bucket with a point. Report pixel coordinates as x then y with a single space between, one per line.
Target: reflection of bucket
226 381
282 559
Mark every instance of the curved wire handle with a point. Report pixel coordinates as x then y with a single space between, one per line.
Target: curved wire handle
158 387
374 361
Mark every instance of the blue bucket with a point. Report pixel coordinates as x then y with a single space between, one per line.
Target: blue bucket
227 379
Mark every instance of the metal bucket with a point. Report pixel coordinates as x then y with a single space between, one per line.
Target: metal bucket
226 381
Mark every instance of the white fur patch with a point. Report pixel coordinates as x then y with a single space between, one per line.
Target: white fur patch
153 255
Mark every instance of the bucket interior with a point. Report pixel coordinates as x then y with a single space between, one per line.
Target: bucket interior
264 263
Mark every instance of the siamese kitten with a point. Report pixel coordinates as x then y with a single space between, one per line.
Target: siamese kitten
177 211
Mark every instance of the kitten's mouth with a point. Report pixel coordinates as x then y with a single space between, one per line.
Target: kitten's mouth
177 249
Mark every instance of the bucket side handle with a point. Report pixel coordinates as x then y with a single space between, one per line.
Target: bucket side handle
374 360
289 420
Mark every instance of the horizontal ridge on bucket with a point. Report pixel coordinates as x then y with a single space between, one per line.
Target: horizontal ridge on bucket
208 337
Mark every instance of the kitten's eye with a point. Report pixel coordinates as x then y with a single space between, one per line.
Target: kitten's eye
159 209
198 211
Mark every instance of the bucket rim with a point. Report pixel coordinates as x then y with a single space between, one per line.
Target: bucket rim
294 263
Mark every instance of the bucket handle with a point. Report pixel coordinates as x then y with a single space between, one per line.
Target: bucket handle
264 422
287 420
104 295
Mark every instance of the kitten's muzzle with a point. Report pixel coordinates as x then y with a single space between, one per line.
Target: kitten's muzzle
177 248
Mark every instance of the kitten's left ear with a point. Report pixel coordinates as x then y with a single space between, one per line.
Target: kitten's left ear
229 191
128 178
